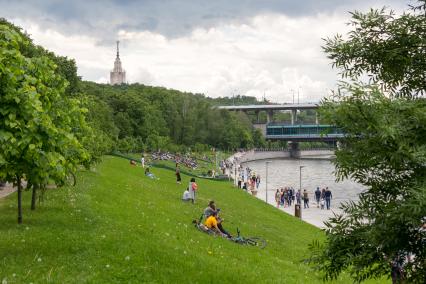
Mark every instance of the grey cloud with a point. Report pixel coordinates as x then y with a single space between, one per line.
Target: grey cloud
171 18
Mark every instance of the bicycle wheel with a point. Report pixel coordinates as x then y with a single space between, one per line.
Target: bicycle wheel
256 241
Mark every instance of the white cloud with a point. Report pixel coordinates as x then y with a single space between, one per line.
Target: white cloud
269 54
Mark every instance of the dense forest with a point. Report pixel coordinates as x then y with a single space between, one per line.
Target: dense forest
137 117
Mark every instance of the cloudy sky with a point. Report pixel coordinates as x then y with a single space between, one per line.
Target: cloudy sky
219 48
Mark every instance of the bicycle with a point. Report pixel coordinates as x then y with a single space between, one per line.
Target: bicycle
253 241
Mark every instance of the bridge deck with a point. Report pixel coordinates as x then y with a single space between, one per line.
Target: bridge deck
271 107
303 132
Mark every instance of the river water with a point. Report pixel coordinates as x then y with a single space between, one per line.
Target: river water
315 172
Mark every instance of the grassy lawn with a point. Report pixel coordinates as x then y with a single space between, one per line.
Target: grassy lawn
118 226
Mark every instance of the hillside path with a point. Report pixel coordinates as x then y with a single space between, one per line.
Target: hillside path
6 190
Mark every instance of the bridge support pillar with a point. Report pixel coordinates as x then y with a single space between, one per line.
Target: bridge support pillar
257 116
269 116
293 116
316 118
294 150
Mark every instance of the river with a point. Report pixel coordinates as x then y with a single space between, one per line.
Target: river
315 172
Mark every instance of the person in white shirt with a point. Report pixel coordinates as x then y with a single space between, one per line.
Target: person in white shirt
186 196
143 161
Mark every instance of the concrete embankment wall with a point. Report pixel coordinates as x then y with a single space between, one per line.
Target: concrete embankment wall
308 153
255 155
266 155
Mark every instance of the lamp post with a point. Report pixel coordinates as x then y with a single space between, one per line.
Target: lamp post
266 184
300 187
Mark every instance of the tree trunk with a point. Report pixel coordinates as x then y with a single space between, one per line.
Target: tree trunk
34 197
18 180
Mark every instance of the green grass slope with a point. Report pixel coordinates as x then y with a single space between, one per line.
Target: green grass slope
118 226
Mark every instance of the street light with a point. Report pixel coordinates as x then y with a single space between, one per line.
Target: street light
300 177
266 199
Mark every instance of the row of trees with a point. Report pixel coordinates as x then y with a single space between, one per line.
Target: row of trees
43 133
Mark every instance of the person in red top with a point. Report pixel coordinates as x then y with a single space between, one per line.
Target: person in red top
192 187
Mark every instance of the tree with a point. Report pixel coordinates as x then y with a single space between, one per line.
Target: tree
384 149
39 125
389 50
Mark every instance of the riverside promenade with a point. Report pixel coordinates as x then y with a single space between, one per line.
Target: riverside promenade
312 215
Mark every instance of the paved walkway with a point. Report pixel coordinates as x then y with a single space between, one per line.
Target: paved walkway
5 191
314 215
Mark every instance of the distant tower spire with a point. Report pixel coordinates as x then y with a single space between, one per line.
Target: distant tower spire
118 49
117 75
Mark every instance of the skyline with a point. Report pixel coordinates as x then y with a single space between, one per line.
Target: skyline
219 49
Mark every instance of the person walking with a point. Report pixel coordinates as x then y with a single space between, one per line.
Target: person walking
178 178
278 197
282 196
290 196
305 199
192 188
328 196
143 161
257 181
318 196
299 197
285 197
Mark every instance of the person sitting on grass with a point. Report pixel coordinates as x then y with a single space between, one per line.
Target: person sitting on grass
186 196
212 211
212 224
149 174
132 162
201 226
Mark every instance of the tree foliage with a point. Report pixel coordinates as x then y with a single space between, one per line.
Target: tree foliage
39 126
384 150
158 118
389 49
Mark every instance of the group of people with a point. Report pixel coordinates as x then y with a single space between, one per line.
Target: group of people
285 196
247 179
323 197
210 221
288 195
189 193
185 160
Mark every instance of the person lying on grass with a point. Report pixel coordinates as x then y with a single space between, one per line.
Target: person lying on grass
213 224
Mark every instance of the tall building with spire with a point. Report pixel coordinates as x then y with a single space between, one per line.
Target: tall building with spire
117 75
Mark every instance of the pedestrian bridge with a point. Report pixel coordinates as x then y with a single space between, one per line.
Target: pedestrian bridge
303 132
